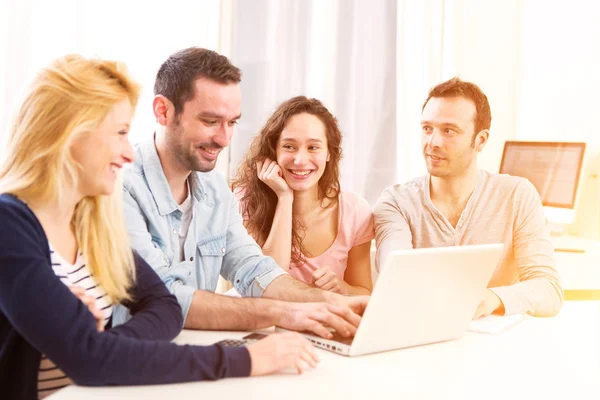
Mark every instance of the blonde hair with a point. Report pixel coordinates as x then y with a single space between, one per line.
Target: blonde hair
67 99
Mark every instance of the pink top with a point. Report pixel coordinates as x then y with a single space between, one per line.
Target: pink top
355 227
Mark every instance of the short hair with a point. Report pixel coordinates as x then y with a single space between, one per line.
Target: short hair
456 87
176 76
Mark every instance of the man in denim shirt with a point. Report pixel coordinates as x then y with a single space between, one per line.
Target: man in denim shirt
184 220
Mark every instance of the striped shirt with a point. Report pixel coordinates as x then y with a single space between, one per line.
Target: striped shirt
50 377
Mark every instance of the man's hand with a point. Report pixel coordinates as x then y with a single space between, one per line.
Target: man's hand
281 351
488 305
90 302
324 278
357 304
319 318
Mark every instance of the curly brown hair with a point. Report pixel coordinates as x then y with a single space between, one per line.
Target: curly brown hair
258 201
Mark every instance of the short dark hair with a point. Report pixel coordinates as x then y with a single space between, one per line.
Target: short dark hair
458 88
176 76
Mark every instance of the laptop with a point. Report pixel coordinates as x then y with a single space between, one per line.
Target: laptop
422 296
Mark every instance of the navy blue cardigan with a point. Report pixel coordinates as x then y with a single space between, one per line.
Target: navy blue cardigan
39 314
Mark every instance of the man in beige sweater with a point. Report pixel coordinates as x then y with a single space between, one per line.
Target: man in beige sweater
458 204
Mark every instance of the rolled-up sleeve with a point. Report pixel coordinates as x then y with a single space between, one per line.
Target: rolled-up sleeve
244 263
184 295
173 276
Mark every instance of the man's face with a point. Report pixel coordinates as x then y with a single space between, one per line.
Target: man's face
447 136
197 135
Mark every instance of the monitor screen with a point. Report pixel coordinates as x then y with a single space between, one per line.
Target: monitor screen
553 168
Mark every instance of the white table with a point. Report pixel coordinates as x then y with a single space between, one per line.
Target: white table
579 272
542 358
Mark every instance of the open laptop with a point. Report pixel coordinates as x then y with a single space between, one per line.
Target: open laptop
422 296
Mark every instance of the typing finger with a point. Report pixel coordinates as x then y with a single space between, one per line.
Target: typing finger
310 349
317 328
308 359
346 313
339 324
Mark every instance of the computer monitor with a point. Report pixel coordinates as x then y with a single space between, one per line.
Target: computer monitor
554 168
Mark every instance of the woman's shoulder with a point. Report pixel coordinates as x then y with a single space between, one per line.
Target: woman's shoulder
353 202
357 217
20 227
355 208
15 211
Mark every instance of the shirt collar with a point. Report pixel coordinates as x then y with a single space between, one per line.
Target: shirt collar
157 181
427 189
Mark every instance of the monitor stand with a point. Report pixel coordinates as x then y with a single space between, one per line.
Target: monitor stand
557 229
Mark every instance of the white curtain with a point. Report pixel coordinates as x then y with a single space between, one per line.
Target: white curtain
340 52
372 63
142 34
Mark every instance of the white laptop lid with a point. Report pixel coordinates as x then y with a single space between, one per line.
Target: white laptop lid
425 296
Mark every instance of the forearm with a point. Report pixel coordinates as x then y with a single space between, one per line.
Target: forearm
290 289
279 242
156 313
211 311
357 278
539 291
354 289
539 297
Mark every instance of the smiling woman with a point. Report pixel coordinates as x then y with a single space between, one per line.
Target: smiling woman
102 153
66 260
292 203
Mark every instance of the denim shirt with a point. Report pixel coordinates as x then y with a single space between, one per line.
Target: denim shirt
216 243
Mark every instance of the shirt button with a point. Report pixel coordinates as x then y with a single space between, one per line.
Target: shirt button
191 258
174 231
223 250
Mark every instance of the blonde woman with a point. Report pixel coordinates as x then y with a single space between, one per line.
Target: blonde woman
65 259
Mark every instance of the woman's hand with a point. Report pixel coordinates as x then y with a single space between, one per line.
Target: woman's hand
90 302
324 278
280 352
270 173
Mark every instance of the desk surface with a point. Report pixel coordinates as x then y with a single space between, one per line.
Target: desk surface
556 357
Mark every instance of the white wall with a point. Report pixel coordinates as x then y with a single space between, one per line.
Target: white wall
485 50
559 91
142 34
560 71
341 52
538 61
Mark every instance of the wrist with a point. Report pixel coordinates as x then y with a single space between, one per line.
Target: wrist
333 298
345 288
275 313
286 197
